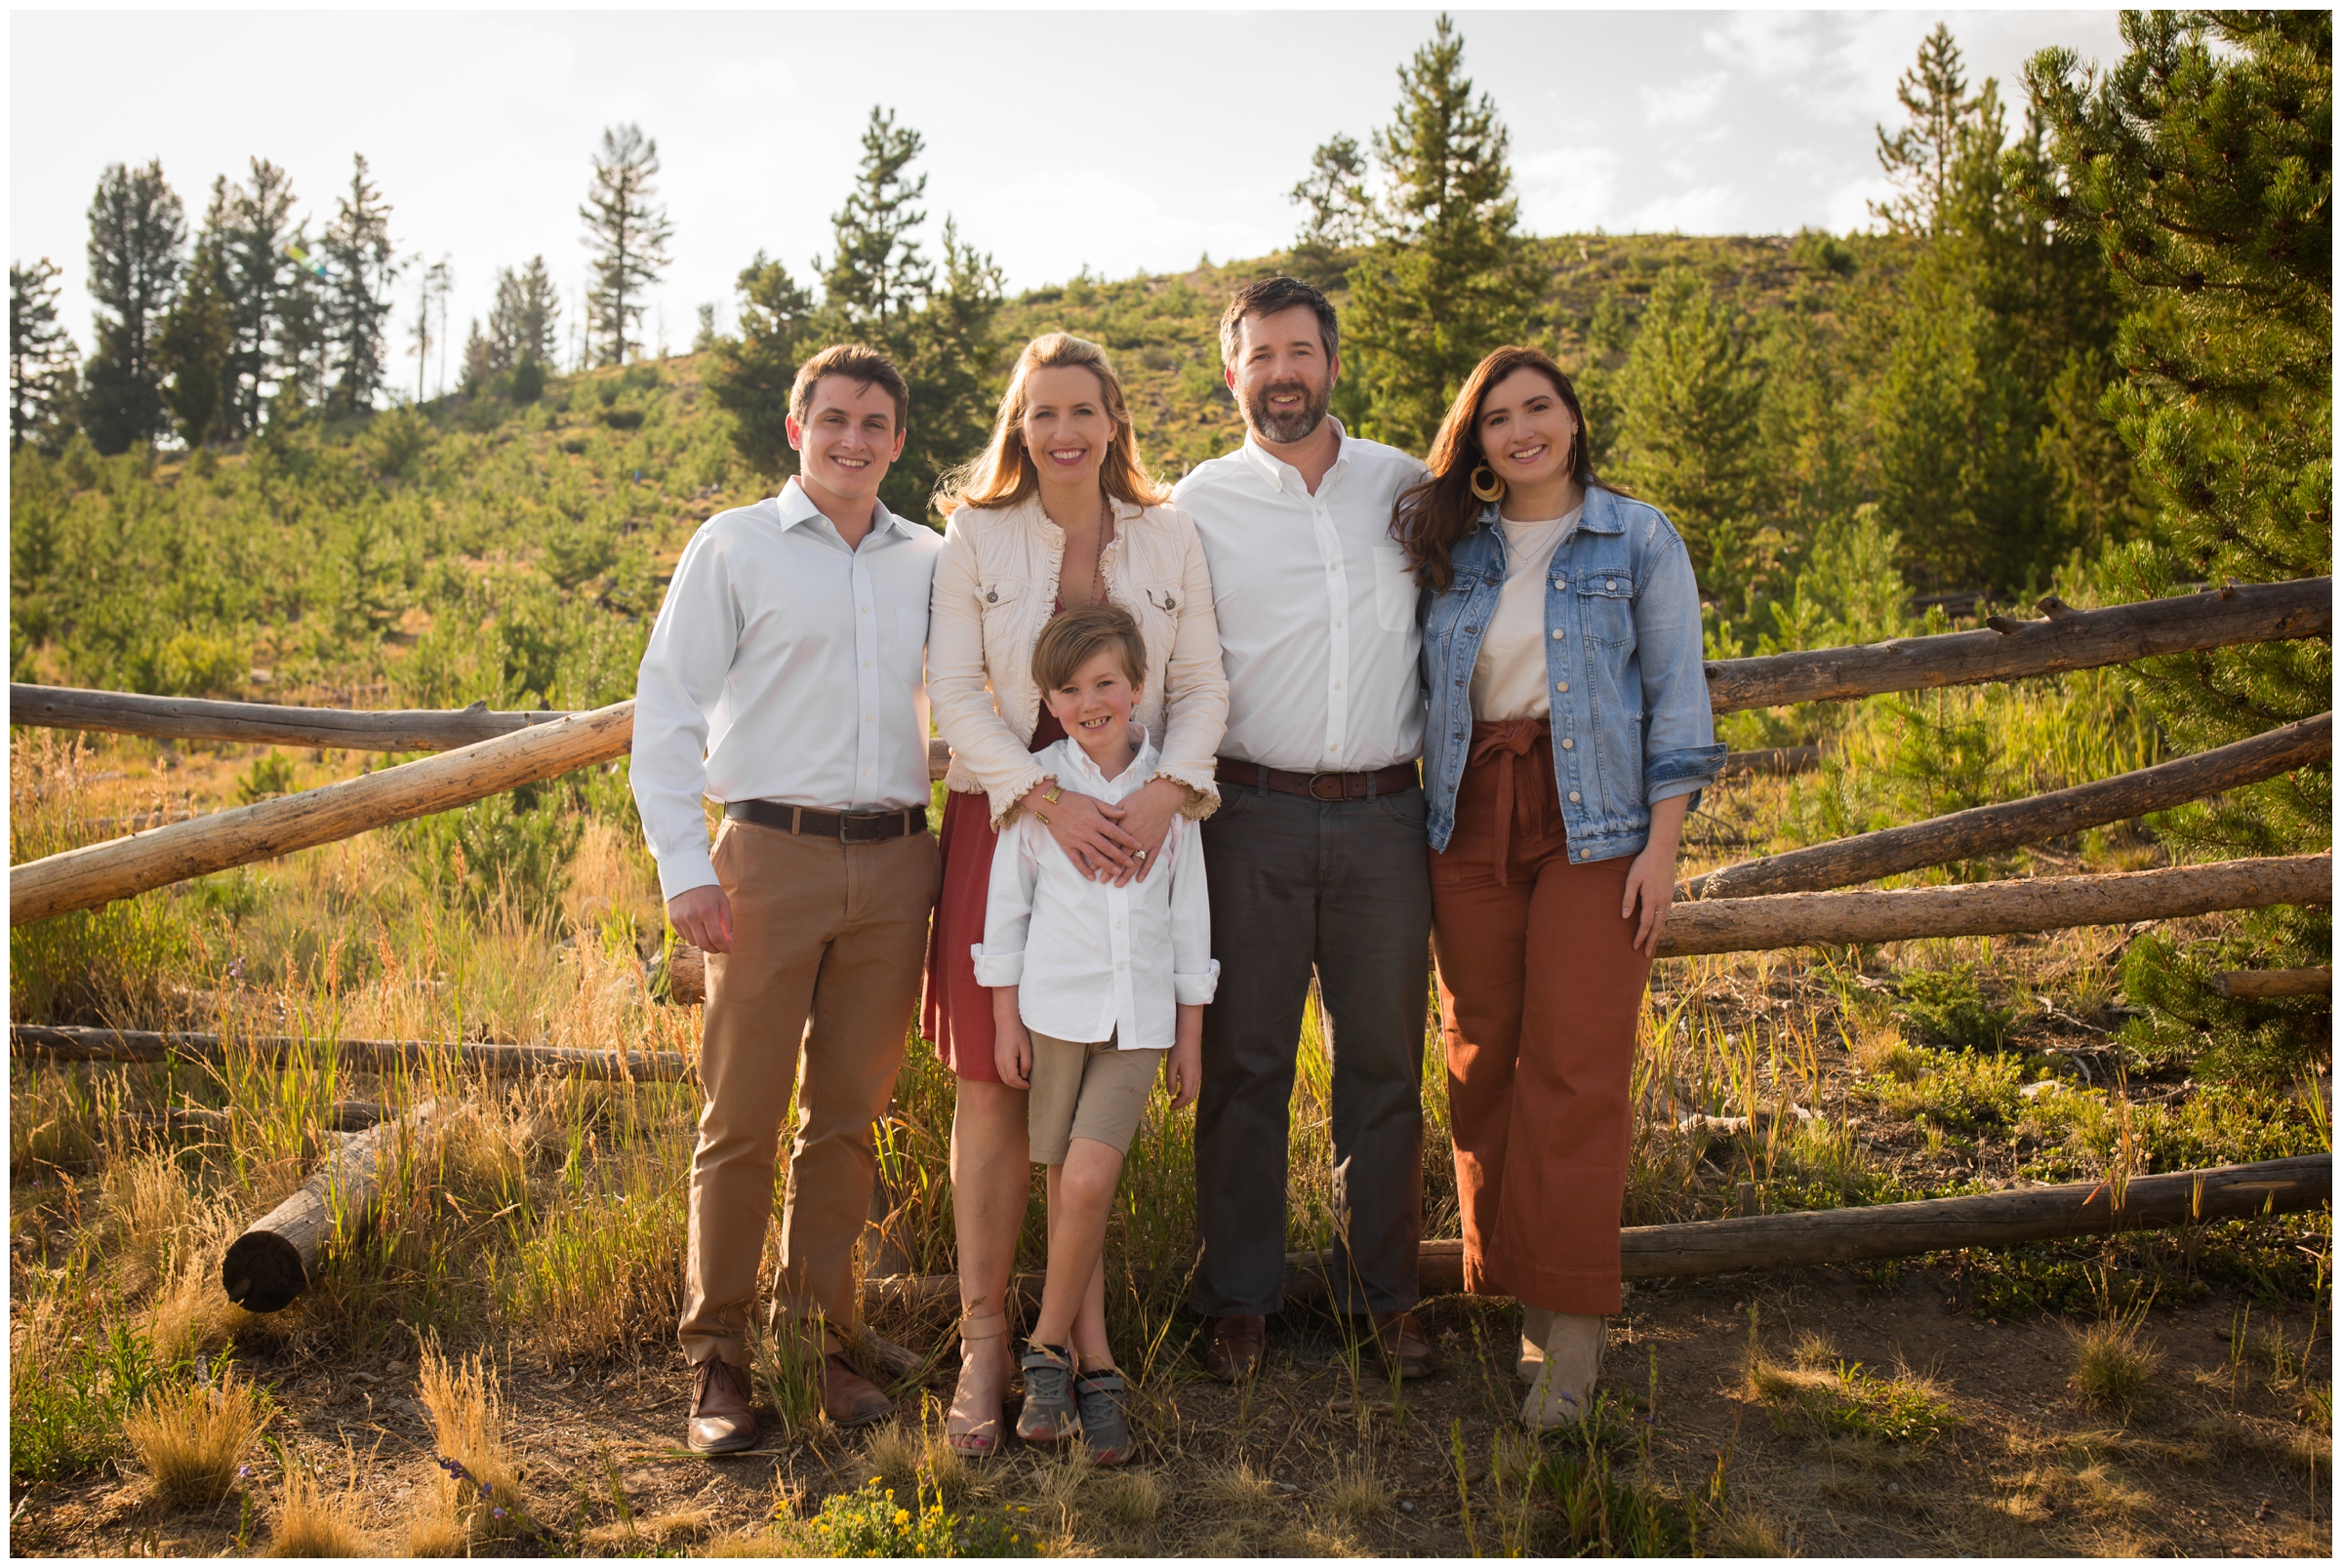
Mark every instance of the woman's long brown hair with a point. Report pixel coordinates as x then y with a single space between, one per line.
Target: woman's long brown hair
1432 516
1003 473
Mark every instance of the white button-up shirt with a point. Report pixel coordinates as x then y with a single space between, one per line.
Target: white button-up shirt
1089 959
1316 607
784 667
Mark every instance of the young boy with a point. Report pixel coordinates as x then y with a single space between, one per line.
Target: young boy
1107 981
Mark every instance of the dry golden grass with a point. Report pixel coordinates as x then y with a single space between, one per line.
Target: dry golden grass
188 1316
467 1412
150 1204
1748 1533
1129 1500
2112 1369
1240 1486
911 1459
1355 1494
309 1522
192 1438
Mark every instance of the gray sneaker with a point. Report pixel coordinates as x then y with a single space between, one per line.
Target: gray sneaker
1104 1401
1048 1414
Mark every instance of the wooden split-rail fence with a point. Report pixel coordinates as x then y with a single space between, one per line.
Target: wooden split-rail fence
1778 901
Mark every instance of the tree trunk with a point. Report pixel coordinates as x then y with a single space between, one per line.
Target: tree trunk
1989 829
269 1265
1993 909
2070 640
369 1055
2258 984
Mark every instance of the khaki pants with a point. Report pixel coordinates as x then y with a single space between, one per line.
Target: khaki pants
828 944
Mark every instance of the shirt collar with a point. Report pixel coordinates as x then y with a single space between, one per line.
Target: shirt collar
1142 764
796 507
1597 513
1274 468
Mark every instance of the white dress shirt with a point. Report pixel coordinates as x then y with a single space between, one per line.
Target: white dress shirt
1316 607
1091 961
792 666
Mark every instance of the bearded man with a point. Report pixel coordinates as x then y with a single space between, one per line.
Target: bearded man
1316 855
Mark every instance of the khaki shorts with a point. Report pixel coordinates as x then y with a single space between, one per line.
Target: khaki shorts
1086 1089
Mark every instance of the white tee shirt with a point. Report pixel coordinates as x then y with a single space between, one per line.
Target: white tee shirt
1508 679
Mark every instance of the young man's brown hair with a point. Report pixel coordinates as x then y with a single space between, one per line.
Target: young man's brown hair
1073 639
864 367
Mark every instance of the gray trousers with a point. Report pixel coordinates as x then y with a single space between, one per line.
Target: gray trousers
1341 888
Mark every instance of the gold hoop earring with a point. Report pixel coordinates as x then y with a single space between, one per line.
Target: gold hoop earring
1490 488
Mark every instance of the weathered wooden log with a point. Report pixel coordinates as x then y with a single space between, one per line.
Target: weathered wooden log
99 874
1842 1235
2069 640
78 1044
679 975
342 1116
2257 984
1989 829
269 1265
187 718
1993 909
1772 759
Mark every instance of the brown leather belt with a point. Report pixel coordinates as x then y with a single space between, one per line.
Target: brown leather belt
846 827
1319 785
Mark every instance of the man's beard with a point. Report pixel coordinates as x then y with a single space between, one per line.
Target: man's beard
1286 429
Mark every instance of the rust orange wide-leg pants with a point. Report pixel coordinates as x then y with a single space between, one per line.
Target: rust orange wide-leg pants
1540 988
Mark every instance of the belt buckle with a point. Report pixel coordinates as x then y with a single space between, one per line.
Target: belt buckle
1325 800
851 828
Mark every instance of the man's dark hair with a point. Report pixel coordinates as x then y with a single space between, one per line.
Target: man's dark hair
864 367
1266 296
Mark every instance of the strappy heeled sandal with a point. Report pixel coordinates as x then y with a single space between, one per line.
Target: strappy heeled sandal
1101 1398
1048 1414
979 1439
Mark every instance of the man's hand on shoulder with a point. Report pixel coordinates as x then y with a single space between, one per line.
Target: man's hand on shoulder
703 918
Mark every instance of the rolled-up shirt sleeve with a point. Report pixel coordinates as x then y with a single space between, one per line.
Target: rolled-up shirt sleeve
1195 972
677 688
1008 909
1681 755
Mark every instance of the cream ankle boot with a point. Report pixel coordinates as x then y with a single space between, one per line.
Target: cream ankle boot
1564 1385
1535 1322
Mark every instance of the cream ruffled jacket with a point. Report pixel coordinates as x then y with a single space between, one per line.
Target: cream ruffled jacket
994 585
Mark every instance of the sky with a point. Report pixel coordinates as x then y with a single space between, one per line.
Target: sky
1120 141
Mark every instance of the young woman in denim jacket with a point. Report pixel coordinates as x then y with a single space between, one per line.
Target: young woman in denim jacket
1568 735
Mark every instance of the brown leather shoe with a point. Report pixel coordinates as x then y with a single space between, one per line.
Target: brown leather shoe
1237 1347
848 1399
1406 1350
720 1422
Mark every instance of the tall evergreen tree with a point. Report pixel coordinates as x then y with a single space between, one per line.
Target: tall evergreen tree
198 336
1687 437
357 301
2203 162
948 351
41 359
259 274
752 374
628 235
877 279
1450 279
137 227
1919 157
525 324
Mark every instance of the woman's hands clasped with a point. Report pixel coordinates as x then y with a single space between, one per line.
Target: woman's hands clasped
1116 844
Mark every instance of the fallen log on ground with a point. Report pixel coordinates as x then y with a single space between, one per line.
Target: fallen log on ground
2069 640
342 1116
78 1044
1993 909
269 1265
99 874
1989 829
1842 1235
2259 985
187 718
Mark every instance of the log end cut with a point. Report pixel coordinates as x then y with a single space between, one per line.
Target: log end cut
263 1273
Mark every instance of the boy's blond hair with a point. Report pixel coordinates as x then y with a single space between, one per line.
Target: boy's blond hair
1073 639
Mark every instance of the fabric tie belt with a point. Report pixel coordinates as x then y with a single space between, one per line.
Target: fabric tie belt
1504 744
846 827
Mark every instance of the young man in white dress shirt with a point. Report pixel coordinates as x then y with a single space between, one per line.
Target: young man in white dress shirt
1317 853
785 679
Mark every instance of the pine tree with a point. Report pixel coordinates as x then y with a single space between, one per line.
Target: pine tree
1336 210
137 227
199 334
438 282
2203 162
1918 158
628 236
1686 440
260 274
752 374
1449 279
877 279
949 354
40 356
357 303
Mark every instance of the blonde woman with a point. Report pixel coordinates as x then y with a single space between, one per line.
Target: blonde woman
1058 514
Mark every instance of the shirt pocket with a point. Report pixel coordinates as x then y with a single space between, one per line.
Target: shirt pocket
1606 608
998 604
1159 607
1394 588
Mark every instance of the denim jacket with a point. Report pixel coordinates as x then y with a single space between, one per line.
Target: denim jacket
1631 726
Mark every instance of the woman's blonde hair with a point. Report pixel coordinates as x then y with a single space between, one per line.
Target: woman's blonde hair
1005 474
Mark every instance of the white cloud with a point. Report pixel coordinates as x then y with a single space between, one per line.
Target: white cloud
1683 103
1567 191
1702 210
